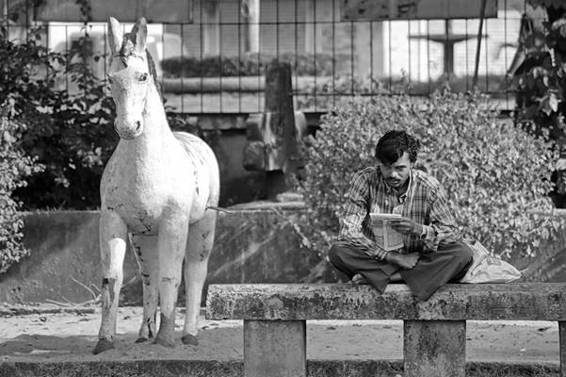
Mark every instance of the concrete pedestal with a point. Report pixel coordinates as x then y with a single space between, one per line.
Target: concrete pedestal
434 348
275 349
562 342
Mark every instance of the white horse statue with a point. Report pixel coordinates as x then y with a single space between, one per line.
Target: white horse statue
158 189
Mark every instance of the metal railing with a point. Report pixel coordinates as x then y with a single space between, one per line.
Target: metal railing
214 63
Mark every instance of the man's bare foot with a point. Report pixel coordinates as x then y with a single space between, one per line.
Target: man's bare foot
396 277
359 280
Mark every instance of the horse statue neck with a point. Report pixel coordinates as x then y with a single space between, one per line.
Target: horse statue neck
154 115
153 140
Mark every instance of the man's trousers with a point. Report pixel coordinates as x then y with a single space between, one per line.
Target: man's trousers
448 264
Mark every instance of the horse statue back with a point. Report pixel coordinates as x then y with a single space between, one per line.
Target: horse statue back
158 190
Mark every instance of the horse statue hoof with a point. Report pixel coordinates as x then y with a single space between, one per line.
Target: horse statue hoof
190 340
141 339
103 345
166 342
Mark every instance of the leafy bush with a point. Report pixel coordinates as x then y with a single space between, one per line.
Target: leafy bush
249 65
540 83
68 130
493 172
541 79
14 167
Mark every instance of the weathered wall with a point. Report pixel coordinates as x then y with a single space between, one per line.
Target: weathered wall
252 246
63 247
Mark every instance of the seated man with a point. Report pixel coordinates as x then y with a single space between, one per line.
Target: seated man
433 253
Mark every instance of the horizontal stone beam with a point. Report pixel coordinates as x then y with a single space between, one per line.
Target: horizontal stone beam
516 301
254 84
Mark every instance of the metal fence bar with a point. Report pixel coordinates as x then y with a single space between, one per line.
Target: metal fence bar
201 37
505 43
333 51
371 87
467 22
220 62
315 35
240 55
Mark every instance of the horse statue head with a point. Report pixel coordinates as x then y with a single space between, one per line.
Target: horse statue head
131 76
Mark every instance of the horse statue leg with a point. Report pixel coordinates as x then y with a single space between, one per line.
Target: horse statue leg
146 255
172 240
113 241
199 246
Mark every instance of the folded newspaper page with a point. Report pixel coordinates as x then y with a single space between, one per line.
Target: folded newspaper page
385 236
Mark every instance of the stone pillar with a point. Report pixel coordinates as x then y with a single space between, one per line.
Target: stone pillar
250 10
279 104
273 136
434 348
562 342
253 25
275 348
211 30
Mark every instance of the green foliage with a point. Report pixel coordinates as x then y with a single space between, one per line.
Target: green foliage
68 130
495 174
541 80
249 65
14 167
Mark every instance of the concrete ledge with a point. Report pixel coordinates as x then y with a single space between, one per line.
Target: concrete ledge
516 301
255 243
253 84
251 246
234 368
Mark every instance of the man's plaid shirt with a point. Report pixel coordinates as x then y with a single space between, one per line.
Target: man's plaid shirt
424 202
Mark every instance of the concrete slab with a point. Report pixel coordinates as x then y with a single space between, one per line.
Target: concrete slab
513 301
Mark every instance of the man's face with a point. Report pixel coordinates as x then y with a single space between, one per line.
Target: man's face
397 173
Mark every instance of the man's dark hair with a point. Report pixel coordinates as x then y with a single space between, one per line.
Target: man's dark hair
393 144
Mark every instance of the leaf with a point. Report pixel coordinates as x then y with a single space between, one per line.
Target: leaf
545 106
553 102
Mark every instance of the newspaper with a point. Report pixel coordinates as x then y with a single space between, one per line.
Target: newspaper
385 236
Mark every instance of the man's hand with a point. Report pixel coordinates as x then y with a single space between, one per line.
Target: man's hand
405 261
406 226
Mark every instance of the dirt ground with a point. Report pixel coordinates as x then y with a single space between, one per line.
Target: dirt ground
42 336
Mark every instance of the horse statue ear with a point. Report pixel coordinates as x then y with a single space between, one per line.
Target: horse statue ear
114 35
140 30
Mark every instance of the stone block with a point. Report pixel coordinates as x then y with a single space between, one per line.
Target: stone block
275 348
434 348
562 342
